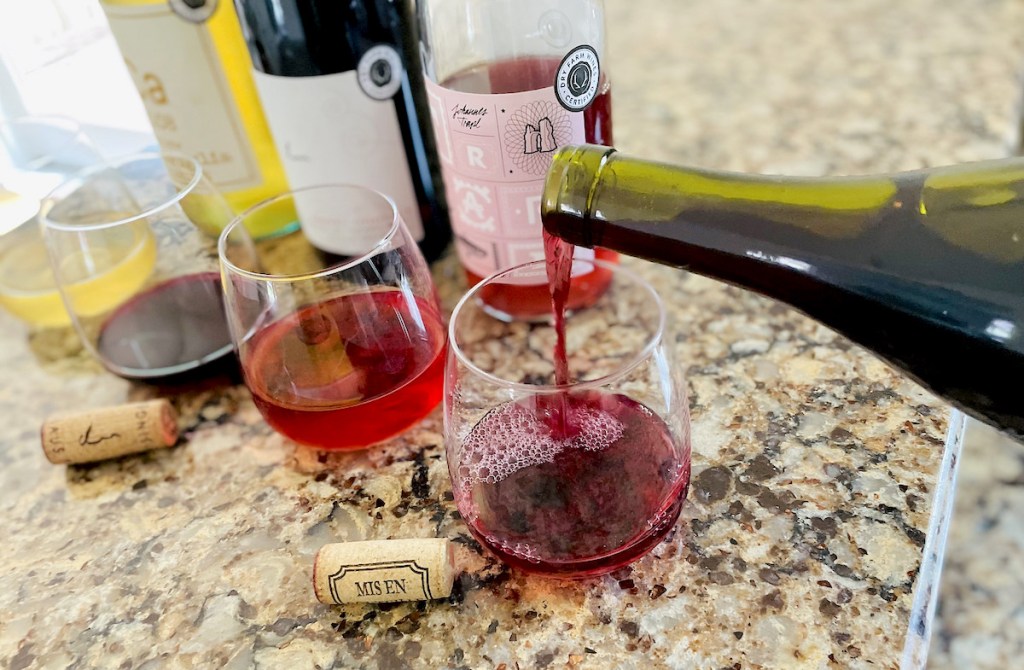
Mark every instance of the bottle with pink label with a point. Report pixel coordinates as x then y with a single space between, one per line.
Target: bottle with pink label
508 82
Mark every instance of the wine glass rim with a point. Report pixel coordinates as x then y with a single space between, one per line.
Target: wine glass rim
396 222
653 340
85 173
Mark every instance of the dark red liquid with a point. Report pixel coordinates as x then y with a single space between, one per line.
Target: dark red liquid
577 501
528 74
558 255
173 329
348 372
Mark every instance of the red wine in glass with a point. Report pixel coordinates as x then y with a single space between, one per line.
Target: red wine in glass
169 332
528 74
349 371
572 483
578 501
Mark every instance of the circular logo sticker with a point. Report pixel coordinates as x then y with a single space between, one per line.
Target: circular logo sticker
380 72
196 11
577 78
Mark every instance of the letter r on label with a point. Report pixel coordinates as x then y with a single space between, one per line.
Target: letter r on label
475 156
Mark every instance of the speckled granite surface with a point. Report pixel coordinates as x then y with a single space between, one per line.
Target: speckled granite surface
815 467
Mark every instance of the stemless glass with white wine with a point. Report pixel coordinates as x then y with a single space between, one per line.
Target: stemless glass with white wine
36 154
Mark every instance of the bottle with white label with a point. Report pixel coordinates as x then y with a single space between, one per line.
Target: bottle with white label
188 61
341 87
508 82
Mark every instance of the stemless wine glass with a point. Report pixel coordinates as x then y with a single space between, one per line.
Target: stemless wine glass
573 480
337 325
136 274
36 154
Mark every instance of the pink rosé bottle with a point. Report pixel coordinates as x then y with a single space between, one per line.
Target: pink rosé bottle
508 82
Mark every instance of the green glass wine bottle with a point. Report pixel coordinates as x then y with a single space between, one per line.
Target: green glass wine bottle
924 268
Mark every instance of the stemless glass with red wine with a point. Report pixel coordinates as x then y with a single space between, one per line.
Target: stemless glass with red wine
339 351
508 82
135 271
574 479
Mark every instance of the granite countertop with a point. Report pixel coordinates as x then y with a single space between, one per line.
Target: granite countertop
806 539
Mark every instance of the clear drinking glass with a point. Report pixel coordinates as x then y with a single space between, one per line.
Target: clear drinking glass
340 337
136 273
36 154
574 480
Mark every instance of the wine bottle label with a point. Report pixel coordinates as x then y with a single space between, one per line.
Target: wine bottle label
174 64
495 150
327 129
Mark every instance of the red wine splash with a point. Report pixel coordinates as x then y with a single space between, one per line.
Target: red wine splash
558 255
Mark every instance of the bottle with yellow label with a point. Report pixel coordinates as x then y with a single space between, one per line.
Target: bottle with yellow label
189 61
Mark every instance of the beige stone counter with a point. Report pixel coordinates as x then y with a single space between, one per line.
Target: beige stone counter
815 466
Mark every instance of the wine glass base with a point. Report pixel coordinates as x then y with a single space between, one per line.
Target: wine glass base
587 568
220 363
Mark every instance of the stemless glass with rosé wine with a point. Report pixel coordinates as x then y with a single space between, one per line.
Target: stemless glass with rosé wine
135 271
340 337
574 479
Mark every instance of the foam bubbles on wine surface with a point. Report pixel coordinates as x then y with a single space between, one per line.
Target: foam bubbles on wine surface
585 476
516 436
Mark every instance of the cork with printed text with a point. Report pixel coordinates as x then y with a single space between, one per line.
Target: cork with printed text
383 571
99 434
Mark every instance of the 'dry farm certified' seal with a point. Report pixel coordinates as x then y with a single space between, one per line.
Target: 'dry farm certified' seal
577 78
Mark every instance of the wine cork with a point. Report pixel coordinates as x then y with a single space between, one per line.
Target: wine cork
98 434
383 571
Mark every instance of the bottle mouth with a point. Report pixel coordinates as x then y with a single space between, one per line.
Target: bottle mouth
182 173
569 190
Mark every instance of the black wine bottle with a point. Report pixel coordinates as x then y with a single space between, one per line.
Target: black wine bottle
341 88
924 268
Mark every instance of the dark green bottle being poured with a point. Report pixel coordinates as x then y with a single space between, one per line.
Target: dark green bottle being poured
924 268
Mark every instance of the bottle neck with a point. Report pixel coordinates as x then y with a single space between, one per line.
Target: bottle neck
596 197
898 224
924 268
